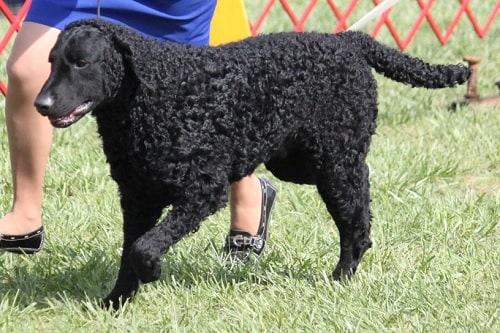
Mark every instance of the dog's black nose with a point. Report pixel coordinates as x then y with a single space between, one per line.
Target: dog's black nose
43 103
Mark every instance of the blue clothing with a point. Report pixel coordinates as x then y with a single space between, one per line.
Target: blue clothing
183 21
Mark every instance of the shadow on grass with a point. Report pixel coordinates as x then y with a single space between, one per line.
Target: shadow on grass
60 275
88 274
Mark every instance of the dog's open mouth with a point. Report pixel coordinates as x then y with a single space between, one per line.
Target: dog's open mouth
72 117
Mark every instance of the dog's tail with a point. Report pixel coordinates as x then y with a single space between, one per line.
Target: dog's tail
403 68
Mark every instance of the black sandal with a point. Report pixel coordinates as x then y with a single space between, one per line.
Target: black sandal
239 244
23 244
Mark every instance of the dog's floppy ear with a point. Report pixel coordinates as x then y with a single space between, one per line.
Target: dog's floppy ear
128 43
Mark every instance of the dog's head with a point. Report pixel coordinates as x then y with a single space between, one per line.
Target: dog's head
87 67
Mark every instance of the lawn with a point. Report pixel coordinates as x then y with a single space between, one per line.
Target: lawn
433 267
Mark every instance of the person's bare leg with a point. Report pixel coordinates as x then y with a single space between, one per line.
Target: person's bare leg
246 199
29 134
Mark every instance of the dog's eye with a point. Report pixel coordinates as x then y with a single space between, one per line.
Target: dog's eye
80 63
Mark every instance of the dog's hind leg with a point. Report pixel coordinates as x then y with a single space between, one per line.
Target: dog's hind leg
139 216
344 188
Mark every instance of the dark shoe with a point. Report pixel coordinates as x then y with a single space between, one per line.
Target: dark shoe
22 244
239 244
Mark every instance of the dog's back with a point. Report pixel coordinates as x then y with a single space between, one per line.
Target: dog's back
316 50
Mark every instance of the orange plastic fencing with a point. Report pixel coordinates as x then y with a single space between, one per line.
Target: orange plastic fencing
459 9
15 23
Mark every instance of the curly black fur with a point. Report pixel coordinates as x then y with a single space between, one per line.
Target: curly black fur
180 123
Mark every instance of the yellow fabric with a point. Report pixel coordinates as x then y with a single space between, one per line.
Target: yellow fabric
230 22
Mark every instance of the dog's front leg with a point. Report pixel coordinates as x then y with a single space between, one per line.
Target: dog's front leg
146 252
185 217
138 218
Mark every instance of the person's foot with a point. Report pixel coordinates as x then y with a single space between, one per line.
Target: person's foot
240 244
18 223
20 234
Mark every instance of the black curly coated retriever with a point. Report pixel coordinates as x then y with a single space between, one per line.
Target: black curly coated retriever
180 123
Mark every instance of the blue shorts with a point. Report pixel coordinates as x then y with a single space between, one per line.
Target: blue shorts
183 21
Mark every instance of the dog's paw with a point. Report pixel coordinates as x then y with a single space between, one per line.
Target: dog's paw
123 292
146 265
113 302
342 274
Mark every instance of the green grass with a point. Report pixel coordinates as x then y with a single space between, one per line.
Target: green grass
435 181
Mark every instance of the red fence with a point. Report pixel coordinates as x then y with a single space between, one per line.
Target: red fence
458 9
15 23
341 9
